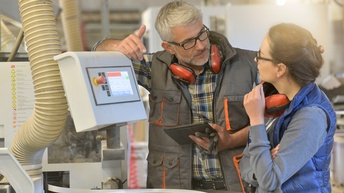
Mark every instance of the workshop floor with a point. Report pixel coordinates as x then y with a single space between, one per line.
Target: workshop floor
337 188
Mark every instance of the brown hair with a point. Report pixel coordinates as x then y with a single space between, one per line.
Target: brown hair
295 47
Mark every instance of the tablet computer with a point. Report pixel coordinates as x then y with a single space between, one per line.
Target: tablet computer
181 133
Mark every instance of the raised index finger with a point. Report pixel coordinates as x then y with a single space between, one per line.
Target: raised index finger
139 43
141 31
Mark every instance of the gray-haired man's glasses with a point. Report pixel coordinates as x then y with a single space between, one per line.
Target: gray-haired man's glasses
190 43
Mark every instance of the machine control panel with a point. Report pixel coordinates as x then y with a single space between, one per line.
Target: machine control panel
113 85
101 89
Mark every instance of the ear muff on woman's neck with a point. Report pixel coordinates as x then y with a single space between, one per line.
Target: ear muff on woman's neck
187 75
275 103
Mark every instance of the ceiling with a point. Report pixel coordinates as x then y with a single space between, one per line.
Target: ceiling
124 5
124 15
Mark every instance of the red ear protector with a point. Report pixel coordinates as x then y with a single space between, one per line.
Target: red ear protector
186 74
275 103
215 59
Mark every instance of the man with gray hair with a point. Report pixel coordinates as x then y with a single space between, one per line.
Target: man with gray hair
198 77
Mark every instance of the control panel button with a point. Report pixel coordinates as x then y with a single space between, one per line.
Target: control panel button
99 80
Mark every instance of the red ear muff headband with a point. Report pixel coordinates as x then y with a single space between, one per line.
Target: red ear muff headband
275 103
188 75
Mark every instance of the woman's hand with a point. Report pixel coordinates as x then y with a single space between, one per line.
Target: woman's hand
274 151
254 103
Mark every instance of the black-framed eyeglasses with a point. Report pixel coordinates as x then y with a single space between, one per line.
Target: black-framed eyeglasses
258 57
190 43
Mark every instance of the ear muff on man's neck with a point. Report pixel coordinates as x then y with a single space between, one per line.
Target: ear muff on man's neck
215 59
183 73
187 75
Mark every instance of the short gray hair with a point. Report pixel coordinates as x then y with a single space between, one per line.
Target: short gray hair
175 13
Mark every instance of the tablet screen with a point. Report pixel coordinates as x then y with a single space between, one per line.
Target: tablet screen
181 133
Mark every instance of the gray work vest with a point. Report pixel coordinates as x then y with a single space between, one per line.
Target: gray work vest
170 164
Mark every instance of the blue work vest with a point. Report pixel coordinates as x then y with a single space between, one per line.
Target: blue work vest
314 176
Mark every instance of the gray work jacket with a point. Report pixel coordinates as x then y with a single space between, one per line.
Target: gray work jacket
170 164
